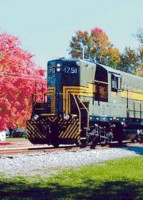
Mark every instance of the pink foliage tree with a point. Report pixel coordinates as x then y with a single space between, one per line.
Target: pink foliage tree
18 74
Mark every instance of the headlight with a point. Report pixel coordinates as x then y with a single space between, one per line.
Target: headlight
35 117
66 117
58 69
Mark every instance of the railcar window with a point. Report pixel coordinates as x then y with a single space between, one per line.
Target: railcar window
70 73
101 92
115 82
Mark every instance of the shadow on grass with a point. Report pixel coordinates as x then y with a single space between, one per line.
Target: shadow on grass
136 149
115 190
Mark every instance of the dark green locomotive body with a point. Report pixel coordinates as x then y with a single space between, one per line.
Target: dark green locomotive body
87 103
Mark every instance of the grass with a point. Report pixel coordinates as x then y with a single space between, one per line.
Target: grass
112 180
16 139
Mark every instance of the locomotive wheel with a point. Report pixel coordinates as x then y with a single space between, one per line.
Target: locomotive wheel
103 142
81 143
118 133
55 136
93 145
140 139
56 145
103 139
110 138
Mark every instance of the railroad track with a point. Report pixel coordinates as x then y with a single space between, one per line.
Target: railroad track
50 149
32 150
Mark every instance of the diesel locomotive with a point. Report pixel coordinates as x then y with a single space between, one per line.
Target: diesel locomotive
87 103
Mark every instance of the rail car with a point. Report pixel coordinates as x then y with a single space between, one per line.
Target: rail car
87 103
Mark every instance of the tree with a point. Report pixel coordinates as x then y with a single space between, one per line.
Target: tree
129 60
94 46
139 69
132 59
139 35
17 82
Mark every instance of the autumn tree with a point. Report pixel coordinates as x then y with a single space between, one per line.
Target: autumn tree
94 46
139 70
18 74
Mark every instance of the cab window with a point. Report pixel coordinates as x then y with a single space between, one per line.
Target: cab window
101 91
115 82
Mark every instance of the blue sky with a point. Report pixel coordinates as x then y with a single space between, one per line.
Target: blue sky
45 27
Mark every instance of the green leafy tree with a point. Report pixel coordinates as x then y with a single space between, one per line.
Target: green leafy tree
132 59
129 60
139 35
94 46
139 69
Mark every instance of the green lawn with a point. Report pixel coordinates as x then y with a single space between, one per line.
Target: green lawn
16 139
119 179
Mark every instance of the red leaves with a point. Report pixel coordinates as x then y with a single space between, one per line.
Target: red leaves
17 82
41 72
97 31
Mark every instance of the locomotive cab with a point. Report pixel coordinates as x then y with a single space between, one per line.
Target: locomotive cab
62 75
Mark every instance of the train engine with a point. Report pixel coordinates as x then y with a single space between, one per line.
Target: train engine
87 103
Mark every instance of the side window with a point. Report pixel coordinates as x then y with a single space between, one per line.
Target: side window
115 82
101 92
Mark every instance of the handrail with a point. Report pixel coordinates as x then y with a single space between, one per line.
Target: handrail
85 109
78 110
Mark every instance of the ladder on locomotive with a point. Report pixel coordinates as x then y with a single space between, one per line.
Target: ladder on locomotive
83 114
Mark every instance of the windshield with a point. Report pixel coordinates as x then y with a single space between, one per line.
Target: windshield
67 72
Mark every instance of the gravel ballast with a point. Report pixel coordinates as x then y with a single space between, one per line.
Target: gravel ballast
47 163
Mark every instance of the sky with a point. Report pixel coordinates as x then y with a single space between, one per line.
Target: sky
45 27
